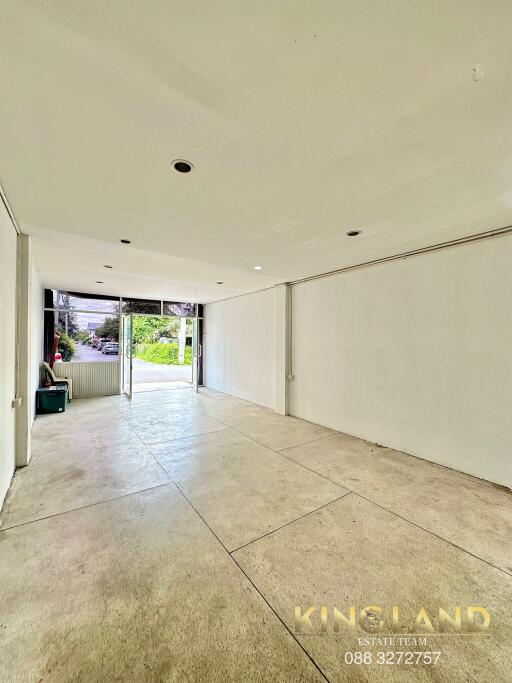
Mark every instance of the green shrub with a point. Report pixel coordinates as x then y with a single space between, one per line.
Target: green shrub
165 354
81 336
67 347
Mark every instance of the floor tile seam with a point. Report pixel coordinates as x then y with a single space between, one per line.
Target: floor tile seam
432 533
144 445
251 438
303 443
332 481
390 449
86 431
405 519
317 667
292 521
231 396
84 507
178 438
306 443
158 443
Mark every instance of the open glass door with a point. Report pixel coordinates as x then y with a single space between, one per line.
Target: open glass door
127 355
196 353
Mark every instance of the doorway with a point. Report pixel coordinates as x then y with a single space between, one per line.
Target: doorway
159 352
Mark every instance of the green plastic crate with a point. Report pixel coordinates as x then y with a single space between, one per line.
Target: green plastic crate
51 400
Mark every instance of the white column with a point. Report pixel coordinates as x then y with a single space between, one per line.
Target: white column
282 361
29 342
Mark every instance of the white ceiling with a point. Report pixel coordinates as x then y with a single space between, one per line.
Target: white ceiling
303 120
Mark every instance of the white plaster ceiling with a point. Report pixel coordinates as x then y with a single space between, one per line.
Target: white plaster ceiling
302 119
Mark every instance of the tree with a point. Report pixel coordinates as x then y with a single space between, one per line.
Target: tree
147 330
82 336
70 326
109 329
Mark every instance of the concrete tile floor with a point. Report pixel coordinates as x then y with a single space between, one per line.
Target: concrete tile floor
354 553
470 513
240 488
118 560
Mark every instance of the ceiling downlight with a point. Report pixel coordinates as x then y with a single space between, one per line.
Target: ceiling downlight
182 166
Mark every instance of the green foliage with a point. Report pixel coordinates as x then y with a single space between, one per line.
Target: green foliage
67 347
165 354
72 325
147 330
81 336
109 329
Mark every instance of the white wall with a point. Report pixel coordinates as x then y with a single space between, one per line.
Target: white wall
36 334
413 354
240 347
29 341
7 349
282 347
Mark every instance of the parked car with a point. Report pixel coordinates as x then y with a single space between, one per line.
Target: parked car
102 343
110 348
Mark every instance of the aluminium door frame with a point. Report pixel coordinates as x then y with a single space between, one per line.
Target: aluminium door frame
123 317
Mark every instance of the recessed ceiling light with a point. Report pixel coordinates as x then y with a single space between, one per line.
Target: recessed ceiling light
182 166
99 282
107 266
220 283
353 233
258 267
125 241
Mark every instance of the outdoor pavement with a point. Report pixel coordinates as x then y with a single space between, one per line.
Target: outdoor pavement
143 371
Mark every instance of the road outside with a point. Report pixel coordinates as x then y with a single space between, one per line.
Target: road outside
143 371
87 353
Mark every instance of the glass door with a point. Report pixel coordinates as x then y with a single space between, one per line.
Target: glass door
128 355
196 353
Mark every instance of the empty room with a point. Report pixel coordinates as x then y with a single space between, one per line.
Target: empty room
256 341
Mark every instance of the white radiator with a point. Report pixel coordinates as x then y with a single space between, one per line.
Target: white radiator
91 379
